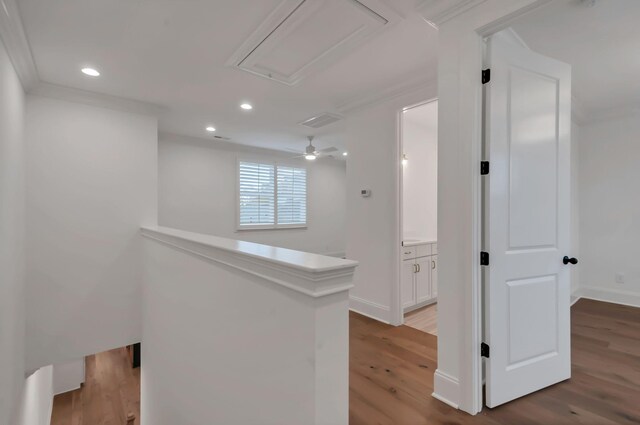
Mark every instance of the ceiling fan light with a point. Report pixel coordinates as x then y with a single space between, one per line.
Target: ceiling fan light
310 157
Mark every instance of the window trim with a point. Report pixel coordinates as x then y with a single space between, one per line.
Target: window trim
276 226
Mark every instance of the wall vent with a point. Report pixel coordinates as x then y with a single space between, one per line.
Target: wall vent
320 120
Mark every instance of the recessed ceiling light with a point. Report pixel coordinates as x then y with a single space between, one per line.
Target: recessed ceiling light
91 72
211 128
246 106
345 153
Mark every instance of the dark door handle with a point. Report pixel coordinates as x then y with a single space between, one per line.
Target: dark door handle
567 260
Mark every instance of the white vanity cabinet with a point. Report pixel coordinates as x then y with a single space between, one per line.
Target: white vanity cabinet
419 281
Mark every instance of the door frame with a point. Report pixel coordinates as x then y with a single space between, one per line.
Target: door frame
397 311
458 380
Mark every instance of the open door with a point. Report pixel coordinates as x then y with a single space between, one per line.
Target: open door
526 284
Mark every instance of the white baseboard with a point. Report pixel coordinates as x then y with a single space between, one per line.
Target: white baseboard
575 296
370 309
609 295
68 390
446 388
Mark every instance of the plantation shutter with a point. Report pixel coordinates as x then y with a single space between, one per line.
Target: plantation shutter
257 194
292 195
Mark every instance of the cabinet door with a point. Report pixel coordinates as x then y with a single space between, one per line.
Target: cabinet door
407 292
434 276
423 279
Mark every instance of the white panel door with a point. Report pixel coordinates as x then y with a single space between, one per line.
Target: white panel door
423 280
407 285
527 288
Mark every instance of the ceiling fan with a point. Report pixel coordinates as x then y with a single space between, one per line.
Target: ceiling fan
311 153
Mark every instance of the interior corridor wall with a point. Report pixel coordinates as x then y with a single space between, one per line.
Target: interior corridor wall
420 173
197 191
36 403
12 254
373 223
91 184
609 154
575 205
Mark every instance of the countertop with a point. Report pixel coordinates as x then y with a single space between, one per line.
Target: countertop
416 242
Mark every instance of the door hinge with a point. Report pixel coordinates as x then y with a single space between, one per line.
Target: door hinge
484 168
484 258
486 75
484 350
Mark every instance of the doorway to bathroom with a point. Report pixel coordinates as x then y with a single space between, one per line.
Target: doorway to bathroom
419 224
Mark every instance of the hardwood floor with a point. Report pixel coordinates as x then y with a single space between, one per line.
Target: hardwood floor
391 379
424 319
110 392
391 375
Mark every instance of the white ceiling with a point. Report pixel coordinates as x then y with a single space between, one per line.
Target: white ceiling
173 54
602 43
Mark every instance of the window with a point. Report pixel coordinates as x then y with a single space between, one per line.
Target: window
292 195
271 196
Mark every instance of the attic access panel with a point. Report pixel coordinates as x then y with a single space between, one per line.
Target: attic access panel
301 36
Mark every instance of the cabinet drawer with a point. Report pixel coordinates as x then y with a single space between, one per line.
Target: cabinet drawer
434 249
423 250
408 252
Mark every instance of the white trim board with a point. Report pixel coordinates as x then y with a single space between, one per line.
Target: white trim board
609 295
370 309
448 388
460 133
90 98
410 84
15 40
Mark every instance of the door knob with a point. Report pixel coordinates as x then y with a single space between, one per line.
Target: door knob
567 260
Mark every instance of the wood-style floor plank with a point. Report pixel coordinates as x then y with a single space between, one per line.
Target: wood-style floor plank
604 388
391 379
111 390
424 319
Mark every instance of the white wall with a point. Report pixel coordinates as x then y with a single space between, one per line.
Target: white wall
373 224
92 182
609 208
230 339
197 191
68 376
37 398
575 205
420 174
12 259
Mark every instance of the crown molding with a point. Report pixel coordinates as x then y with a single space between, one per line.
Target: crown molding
227 145
18 48
71 94
437 12
15 41
407 86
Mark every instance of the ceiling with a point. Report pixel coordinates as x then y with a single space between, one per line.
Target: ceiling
180 55
601 42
